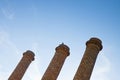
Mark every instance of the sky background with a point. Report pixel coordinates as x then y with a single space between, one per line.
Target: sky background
41 25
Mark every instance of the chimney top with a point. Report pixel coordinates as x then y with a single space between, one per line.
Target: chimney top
63 47
29 54
95 41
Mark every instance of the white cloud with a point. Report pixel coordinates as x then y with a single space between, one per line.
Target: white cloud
3 75
33 72
3 36
34 68
101 69
6 42
8 48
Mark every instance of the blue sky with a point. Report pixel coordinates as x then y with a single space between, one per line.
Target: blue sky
41 25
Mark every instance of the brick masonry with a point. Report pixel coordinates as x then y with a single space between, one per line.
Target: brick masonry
53 70
93 46
84 71
19 71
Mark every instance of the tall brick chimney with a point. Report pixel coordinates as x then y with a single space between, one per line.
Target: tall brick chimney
19 71
53 70
93 46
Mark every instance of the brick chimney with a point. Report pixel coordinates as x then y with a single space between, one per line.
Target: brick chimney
19 71
93 46
53 70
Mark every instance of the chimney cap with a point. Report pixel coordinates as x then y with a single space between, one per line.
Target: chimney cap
63 47
29 54
95 41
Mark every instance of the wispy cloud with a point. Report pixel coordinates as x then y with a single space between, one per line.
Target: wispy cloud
6 42
8 48
3 75
100 72
33 72
8 13
102 68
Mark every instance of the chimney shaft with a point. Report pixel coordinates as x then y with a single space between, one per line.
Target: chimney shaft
93 46
53 70
19 71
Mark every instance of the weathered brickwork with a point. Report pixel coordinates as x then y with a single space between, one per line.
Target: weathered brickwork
84 71
53 70
19 71
93 46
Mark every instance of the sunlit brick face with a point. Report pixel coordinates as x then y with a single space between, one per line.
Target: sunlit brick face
93 46
22 66
53 70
